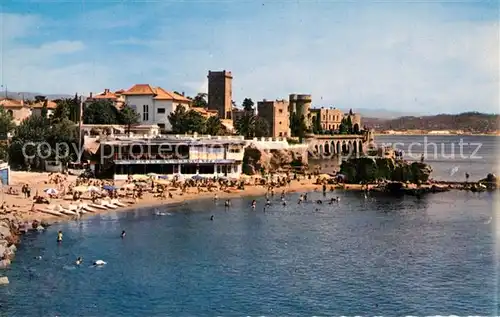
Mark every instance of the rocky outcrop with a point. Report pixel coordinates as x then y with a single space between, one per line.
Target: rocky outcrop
256 161
490 181
369 169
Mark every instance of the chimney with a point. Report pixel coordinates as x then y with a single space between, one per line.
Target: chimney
90 95
106 90
183 93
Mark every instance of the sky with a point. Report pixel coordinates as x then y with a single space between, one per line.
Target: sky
418 56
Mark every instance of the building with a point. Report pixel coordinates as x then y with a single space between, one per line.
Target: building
277 116
331 118
300 104
154 104
184 156
36 108
4 173
117 97
220 94
17 109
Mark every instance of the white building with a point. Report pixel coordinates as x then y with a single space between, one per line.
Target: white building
154 104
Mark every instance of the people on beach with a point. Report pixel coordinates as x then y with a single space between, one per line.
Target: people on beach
59 236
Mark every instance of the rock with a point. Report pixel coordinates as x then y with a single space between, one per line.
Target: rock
4 263
12 248
3 251
4 280
4 232
257 160
368 169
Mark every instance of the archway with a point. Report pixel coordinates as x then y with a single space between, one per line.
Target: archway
327 148
354 146
339 149
344 148
349 147
332 146
360 147
320 149
316 149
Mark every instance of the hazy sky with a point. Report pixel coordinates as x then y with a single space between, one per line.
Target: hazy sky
418 57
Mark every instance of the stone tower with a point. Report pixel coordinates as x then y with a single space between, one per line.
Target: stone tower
220 93
300 104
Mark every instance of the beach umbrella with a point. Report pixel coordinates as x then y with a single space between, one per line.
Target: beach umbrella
129 186
163 177
109 187
80 189
162 182
137 177
152 174
197 177
93 189
51 191
325 176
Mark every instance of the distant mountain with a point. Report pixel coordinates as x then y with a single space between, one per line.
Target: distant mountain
468 122
31 95
383 113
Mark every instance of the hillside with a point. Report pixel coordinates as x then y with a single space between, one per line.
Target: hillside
467 122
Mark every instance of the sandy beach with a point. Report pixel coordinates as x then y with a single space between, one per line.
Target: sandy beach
22 209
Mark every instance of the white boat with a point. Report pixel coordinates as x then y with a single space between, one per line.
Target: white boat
108 205
101 207
50 210
87 208
63 210
118 203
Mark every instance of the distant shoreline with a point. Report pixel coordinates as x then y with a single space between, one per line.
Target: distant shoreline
427 134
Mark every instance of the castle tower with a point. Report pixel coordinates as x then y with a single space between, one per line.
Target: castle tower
220 93
300 104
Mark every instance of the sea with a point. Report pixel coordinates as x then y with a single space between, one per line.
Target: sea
373 256
450 156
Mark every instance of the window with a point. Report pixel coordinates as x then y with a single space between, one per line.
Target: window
145 113
161 110
280 122
280 111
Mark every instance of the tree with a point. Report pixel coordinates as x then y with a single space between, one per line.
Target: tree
343 127
100 112
261 128
128 116
6 123
67 108
298 126
247 104
183 121
44 111
348 123
213 126
34 130
317 128
246 125
200 100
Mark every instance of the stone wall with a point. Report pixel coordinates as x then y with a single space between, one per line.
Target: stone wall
256 160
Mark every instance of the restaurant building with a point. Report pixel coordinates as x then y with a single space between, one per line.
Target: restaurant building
206 156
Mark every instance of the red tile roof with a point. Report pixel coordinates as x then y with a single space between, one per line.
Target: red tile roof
162 94
50 105
140 89
105 95
11 103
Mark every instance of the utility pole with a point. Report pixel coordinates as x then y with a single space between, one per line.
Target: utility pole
80 115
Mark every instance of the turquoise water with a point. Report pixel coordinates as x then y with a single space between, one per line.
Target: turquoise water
380 256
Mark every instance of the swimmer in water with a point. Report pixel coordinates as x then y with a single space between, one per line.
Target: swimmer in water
227 203
79 260
59 236
319 202
332 200
123 234
284 203
268 203
216 197
305 197
254 204
212 218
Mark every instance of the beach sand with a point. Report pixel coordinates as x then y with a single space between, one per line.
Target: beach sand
21 208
